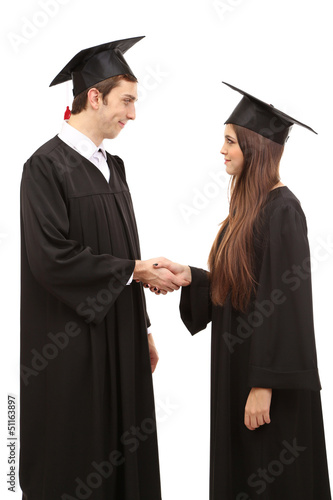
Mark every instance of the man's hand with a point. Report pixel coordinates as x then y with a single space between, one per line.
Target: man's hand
155 273
153 352
257 408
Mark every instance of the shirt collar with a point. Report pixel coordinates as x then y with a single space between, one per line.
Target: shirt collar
80 142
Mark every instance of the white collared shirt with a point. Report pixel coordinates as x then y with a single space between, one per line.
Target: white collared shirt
85 146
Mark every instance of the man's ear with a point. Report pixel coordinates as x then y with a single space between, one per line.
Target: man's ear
93 98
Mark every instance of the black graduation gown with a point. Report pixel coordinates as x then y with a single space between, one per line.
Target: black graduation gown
272 345
87 410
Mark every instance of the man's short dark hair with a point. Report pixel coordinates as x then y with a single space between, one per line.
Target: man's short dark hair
104 87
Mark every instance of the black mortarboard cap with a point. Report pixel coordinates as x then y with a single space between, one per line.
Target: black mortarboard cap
262 118
91 66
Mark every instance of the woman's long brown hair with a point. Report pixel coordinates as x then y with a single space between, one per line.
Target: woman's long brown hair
231 262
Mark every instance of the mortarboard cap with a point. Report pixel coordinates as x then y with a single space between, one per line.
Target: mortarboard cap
262 118
93 65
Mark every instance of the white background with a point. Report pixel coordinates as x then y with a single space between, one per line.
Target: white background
277 50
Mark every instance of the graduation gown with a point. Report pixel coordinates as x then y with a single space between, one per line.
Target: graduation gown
88 425
271 345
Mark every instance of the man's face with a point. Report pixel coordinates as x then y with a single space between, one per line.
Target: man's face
120 107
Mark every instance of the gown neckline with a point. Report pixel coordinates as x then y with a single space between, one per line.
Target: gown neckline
87 160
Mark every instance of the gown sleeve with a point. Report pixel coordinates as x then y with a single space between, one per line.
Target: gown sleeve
283 352
121 166
195 304
65 268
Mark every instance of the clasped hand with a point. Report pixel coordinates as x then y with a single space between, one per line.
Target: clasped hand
161 275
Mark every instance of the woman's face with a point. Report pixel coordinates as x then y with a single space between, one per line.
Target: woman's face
233 156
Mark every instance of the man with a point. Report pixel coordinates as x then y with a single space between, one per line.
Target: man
88 426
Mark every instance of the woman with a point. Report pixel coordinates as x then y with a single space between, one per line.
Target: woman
267 437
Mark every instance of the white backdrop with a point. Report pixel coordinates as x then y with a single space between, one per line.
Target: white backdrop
279 51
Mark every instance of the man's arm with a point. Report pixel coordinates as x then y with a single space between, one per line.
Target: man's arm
63 266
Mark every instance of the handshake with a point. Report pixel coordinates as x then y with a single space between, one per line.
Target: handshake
161 275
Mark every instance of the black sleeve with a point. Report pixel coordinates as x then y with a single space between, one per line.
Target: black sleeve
65 268
283 352
195 304
148 323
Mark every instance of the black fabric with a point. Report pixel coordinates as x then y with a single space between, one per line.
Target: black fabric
272 345
95 64
87 410
262 118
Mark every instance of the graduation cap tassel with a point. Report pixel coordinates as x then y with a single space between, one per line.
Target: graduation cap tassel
67 114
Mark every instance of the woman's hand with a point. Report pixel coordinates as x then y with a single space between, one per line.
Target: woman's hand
257 408
180 271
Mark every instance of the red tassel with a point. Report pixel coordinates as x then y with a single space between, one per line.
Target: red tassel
67 114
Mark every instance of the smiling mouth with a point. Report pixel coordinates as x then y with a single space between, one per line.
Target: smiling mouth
122 124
